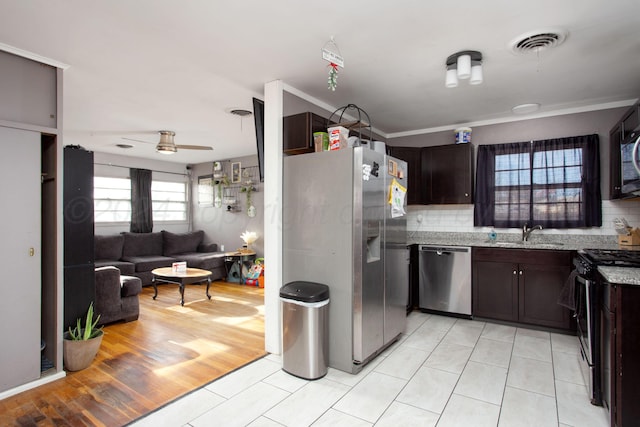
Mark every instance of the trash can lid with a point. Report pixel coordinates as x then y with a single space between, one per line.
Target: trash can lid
305 291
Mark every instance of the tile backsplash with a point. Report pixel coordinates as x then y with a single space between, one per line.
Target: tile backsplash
459 218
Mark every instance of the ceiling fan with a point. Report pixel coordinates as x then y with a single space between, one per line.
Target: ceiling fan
168 146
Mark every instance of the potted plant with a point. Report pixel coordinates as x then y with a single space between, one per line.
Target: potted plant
81 344
248 189
223 181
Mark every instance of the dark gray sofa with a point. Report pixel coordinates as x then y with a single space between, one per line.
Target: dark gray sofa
137 254
116 296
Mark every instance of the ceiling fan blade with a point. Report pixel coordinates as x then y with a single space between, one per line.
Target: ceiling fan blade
193 147
138 140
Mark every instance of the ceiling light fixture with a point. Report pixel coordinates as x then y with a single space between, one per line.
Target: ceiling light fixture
525 108
166 144
463 65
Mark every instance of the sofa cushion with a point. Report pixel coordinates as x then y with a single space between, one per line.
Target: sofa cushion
123 266
141 244
108 247
208 247
149 262
205 261
180 243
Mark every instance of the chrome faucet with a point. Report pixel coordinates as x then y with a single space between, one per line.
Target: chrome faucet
526 231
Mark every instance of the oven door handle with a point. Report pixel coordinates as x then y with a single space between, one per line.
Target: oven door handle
582 279
585 289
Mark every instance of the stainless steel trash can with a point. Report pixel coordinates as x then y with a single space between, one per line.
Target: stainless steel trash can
305 325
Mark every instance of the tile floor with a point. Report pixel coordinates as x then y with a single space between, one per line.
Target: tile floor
443 372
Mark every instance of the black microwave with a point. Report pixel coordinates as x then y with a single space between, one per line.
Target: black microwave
630 163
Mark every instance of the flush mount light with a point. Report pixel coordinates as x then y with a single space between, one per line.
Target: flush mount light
166 144
463 65
525 108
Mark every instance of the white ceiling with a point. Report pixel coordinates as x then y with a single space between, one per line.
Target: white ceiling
136 67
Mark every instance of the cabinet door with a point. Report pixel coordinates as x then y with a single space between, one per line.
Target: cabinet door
615 179
538 290
298 129
495 290
28 91
20 250
628 353
631 121
447 173
412 156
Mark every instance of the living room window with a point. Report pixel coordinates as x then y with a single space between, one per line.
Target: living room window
112 200
169 201
554 183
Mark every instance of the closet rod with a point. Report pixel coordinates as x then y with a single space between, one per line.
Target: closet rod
152 170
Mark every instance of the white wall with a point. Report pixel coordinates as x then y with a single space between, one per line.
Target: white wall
221 226
460 218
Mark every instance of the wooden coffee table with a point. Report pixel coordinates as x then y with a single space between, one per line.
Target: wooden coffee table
192 275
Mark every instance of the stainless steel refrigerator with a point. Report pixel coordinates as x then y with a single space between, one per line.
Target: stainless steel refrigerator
337 224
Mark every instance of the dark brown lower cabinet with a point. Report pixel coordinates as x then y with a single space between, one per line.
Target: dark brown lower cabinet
624 355
495 290
520 285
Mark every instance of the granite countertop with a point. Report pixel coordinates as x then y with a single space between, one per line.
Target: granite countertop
567 242
621 275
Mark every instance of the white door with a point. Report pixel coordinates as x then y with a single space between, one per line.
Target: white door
20 287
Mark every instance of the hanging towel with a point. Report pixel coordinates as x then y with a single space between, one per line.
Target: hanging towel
567 295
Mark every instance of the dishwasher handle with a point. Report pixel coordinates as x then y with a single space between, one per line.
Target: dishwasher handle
440 250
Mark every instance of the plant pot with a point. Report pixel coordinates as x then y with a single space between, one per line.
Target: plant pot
78 355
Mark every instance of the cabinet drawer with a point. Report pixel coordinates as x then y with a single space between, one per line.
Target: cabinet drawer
528 256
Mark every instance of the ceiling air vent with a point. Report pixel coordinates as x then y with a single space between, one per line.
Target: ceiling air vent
536 41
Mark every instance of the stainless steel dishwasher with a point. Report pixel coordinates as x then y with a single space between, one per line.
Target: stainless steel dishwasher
445 279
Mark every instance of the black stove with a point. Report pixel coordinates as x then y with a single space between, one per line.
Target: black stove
588 292
611 257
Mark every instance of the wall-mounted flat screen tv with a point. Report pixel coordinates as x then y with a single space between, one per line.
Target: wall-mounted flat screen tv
258 117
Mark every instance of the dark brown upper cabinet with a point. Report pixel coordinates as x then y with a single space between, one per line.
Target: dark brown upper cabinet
447 174
629 121
441 174
298 132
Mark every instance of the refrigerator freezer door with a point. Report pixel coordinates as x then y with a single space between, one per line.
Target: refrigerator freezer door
368 256
396 257
396 291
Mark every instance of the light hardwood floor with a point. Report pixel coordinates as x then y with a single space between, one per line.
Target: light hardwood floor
169 351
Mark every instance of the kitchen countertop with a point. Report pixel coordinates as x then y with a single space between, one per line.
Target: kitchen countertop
621 275
566 242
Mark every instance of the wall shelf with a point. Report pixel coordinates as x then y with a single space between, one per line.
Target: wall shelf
217 190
